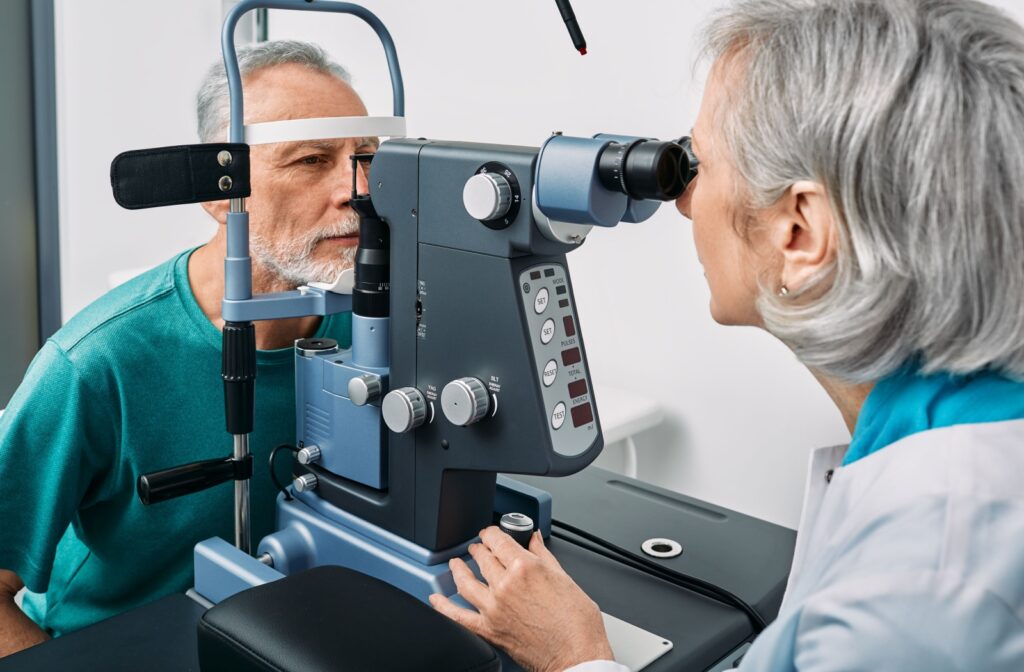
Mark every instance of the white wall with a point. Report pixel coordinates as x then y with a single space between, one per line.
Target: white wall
742 414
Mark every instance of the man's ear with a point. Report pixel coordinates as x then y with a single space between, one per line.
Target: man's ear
803 234
218 210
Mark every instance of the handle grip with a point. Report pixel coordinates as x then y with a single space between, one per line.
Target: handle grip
159 486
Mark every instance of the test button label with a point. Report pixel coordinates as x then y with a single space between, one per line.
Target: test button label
558 416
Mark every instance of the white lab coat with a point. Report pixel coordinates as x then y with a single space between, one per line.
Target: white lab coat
911 558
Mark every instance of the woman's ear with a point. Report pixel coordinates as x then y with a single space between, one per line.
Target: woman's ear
803 234
218 210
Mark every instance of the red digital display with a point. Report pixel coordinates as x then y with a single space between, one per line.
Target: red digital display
570 326
581 415
577 389
571 356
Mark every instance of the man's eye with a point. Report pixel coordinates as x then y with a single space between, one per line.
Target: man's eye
311 160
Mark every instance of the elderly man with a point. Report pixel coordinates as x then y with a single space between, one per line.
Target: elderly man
131 385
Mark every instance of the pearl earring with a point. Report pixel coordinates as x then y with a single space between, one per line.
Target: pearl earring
783 291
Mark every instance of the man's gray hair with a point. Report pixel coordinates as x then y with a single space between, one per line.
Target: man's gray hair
212 100
910 113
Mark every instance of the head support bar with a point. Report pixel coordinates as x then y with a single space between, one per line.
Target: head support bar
237 133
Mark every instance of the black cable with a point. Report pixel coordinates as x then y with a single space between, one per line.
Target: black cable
611 551
273 475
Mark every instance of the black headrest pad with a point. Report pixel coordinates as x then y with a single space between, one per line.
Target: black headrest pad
338 620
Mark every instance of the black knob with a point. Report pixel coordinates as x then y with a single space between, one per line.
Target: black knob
518 526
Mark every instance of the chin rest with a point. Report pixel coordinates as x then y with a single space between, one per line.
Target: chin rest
337 619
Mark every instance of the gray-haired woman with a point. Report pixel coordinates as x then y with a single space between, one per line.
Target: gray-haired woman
861 197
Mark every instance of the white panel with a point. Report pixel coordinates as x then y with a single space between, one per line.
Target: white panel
127 75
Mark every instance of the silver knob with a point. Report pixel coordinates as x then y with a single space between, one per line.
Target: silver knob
305 482
464 401
487 196
308 455
364 389
404 410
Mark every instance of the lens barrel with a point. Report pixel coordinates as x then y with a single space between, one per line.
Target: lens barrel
371 295
645 169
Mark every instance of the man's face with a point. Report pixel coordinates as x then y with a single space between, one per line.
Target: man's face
302 228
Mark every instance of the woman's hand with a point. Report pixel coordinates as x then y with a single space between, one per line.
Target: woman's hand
529 606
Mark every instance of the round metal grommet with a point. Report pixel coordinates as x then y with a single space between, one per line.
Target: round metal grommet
224 157
225 183
661 548
308 347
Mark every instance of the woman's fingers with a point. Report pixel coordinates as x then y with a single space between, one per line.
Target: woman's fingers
469 587
538 548
504 547
464 617
491 569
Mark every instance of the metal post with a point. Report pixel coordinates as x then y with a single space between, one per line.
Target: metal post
243 536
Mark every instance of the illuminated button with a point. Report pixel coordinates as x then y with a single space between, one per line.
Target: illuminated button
540 302
563 303
547 332
550 371
570 326
558 416
571 356
581 415
577 388
534 275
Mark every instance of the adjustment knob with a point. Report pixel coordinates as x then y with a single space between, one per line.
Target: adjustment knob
364 389
464 401
305 482
487 196
308 455
404 410
519 526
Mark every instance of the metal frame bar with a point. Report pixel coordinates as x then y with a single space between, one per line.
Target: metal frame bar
44 94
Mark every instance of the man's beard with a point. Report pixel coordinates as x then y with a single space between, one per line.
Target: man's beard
291 259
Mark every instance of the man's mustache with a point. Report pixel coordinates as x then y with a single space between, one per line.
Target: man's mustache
346 227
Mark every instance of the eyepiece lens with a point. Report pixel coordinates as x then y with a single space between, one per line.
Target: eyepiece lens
645 169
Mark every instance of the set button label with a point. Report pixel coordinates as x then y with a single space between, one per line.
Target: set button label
540 302
547 332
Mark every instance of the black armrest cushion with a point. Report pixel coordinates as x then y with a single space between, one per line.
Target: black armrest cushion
335 619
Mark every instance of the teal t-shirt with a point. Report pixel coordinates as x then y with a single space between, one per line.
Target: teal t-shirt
130 385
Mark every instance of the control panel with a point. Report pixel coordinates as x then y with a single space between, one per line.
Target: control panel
558 356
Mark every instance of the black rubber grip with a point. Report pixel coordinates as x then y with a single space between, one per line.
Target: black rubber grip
160 486
238 369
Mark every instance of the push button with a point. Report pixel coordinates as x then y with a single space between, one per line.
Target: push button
550 371
547 332
540 302
558 416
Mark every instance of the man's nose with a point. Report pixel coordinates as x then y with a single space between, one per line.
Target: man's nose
684 200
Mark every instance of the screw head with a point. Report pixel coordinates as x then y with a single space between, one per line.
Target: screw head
224 157
225 183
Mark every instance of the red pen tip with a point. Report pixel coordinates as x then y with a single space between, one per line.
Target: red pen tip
583 51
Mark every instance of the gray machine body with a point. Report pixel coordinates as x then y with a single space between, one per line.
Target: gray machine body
462 304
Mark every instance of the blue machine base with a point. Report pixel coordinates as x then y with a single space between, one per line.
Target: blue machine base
312 532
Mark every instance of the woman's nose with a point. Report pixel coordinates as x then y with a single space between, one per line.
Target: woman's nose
683 202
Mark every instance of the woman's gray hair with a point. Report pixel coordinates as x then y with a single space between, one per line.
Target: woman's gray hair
910 113
212 100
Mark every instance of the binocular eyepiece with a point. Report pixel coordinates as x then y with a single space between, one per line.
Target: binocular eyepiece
648 169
